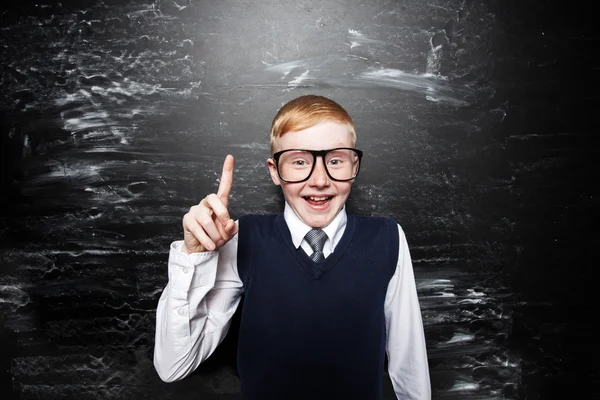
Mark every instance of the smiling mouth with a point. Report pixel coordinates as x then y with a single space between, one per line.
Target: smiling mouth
321 200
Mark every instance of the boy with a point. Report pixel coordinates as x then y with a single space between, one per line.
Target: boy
326 293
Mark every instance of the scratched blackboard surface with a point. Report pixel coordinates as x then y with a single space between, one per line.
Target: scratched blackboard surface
476 119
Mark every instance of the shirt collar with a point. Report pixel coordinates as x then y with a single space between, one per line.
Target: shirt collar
298 229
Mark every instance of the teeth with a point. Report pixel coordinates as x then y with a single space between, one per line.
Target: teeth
318 198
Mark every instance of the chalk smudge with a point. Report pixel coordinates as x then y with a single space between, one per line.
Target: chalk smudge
434 87
356 39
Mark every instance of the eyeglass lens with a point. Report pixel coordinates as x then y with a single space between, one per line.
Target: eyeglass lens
296 165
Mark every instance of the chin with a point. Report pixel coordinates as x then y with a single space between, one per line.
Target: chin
317 213
318 221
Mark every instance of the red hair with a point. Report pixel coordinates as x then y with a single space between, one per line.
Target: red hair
306 111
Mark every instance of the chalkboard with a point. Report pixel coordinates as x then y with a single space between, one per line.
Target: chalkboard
117 115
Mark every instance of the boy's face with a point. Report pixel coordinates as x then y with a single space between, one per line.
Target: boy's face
305 198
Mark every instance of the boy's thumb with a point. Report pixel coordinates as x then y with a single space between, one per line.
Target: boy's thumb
234 229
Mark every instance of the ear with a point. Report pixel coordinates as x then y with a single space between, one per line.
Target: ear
273 171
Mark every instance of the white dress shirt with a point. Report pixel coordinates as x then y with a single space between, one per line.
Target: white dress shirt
204 290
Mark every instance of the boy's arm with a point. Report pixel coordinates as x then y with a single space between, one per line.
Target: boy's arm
407 354
195 309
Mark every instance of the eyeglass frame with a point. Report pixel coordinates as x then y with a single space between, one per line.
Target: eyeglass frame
315 154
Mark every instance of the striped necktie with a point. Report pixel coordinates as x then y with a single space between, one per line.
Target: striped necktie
316 238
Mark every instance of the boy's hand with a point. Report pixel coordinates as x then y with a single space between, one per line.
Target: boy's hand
208 225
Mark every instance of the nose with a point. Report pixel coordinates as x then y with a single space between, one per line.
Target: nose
319 177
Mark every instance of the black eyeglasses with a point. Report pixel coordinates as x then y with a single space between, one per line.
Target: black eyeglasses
297 165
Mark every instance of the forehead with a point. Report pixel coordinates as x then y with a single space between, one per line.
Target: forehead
326 135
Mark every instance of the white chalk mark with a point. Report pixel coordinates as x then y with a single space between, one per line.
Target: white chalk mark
460 338
286 68
463 386
434 87
356 38
298 80
435 284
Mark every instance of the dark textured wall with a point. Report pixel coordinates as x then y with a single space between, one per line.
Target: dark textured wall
477 120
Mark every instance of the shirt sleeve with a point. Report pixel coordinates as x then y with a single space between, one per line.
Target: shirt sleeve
195 309
406 349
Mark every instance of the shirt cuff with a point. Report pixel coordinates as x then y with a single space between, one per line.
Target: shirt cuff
183 268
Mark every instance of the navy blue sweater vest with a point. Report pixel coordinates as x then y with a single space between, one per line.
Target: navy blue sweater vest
306 338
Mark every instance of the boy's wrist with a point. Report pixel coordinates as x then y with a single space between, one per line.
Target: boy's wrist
184 249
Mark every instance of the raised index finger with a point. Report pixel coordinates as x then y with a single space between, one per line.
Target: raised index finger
226 180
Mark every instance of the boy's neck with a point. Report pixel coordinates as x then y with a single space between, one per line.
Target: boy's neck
299 229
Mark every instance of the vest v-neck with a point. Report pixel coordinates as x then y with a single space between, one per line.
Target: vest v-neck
304 260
